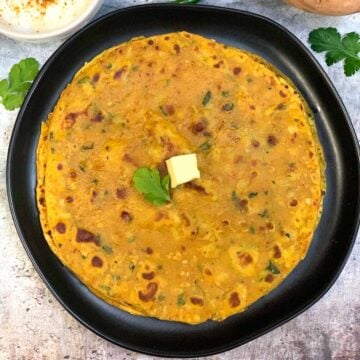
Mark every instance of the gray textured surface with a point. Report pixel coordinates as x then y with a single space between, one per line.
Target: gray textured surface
35 326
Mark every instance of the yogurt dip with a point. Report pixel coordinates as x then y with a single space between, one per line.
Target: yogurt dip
41 16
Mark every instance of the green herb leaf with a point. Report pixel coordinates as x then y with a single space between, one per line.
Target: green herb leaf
181 299
264 214
107 249
13 101
252 194
227 107
206 98
4 86
14 89
252 230
205 146
337 49
88 146
240 204
273 268
84 80
148 182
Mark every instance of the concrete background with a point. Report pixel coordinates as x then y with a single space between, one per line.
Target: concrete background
33 325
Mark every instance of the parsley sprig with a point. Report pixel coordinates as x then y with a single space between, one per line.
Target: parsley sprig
337 48
14 89
148 182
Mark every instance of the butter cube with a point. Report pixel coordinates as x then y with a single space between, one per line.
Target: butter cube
182 169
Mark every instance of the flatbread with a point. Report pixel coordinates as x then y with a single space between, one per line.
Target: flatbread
226 239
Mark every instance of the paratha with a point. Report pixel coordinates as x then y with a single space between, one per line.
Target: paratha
224 240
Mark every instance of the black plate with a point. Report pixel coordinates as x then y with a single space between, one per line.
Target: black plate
333 239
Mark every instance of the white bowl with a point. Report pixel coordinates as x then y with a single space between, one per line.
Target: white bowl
60 33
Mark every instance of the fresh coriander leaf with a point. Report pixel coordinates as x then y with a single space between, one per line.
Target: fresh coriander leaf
206 98
14 89
165 182
4 86
206 146
333 57
264 214
351 42
337 49
351 66
13 101
227 107
107 249
324 39
181 299
273 268
148 182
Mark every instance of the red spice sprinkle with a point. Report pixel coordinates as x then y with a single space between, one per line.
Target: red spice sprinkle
60 167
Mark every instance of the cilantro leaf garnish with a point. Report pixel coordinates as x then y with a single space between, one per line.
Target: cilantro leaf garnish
14 89
337 48
148 182
273 268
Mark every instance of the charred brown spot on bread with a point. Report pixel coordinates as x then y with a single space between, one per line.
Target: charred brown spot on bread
149 293
148 276
272 140
85 236
148 250
244 258
237 70
126 216
277 252
60 228
198 127
98 117
293 202
255 143
121 193
96 261
69 199
197 301
196 187
118 73
234 300
269 278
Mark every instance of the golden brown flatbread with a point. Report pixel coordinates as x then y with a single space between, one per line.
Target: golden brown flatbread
224 240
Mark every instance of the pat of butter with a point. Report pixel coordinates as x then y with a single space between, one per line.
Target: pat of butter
182 169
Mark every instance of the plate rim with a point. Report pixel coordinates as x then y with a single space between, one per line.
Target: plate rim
21 234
